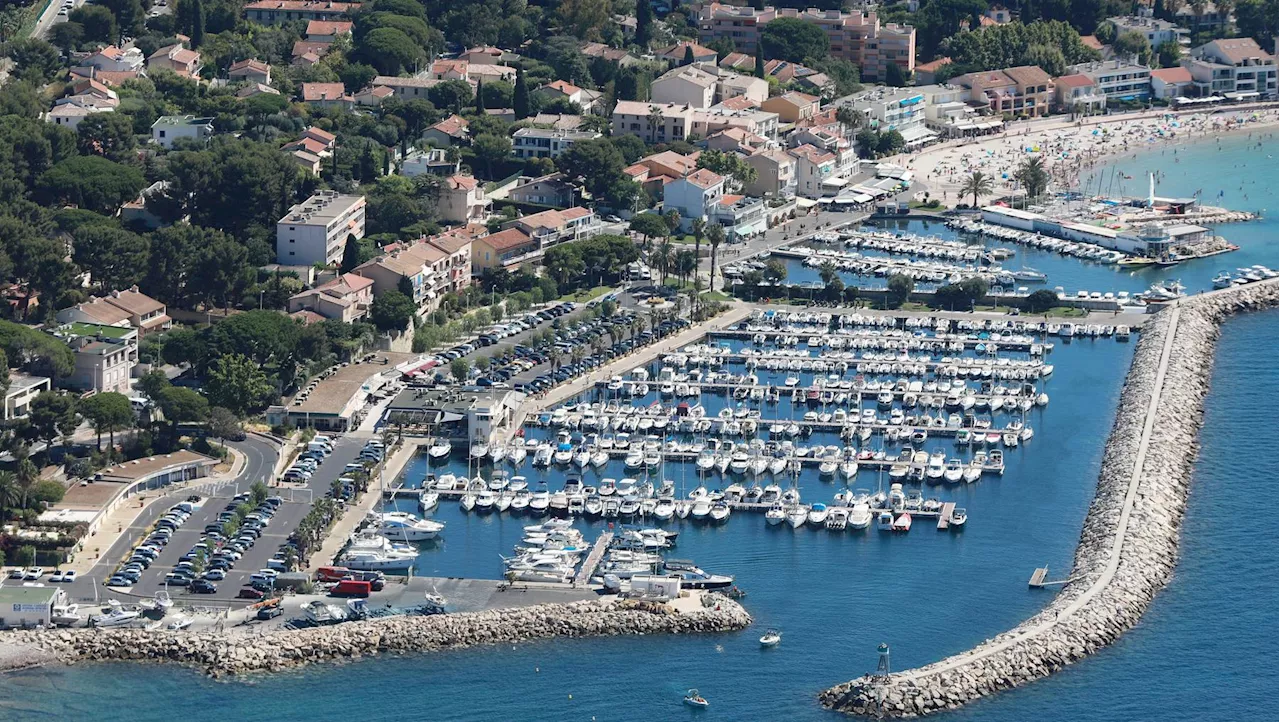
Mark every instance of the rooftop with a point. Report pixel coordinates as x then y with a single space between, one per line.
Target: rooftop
131 471
334 393
506 240
14 595
174 121
321 208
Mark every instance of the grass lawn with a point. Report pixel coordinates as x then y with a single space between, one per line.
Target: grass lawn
1067 312
913 306
926 206
715 296
586 294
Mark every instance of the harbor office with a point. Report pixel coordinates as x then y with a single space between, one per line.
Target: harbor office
29 606
470 415
1148 240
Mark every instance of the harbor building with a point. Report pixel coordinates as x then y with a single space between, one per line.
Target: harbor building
336 400
29 606
472 415
316 230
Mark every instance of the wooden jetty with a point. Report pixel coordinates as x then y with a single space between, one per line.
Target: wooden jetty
593 559
944 518
1038 580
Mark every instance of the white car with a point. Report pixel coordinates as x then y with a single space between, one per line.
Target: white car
56 576
68 576
33 574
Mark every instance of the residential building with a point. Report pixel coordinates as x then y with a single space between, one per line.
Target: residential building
316 230
1077 93
483 55
405 88
1234 65
253 89
456 245
741 216
69 115
549 190
614 55
692 195
1117 79
792 107
1209 17
665 166
425 266
551 227
450 131
125 308
347 298
736 140
706 121
448 69
503 249
91 94
587 100
136 212
948 114
109 78
432 161
653 122
1024 91
22 390
814 165
180 60
927 73
833 139
775 174
678 53
114 59
327 31
372 97
250 71
307 53
170 128
856 36
558 121
1170 83
483 72
326 95
1156 31
275 12
104 356
687 85
543 143
900 109
462 200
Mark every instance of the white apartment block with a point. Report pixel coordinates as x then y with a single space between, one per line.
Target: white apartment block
316 230
1235 65
653 122
546 143
1117 79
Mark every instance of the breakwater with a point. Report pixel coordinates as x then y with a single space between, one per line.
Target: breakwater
219 654
1129 541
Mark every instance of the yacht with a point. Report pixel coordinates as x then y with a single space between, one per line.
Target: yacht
428 499
542 456
860 516
691 577
776 515
796 515
1163 292
958 517
701 508
65 615
317 612
439 449
719 511
403 526
381 560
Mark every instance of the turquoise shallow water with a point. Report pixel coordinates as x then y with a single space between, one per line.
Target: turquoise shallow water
1207 646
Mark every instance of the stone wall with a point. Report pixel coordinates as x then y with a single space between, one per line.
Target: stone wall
230 653
1129 542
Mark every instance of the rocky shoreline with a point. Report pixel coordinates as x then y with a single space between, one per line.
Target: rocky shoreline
220 654
1129 542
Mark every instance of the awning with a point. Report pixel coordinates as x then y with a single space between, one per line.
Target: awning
856 197
835 182
806 203
918 134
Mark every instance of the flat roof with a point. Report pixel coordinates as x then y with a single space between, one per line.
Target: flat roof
68 516
1013 213
19 382
80 328
447 400
27 595
332 394
131 471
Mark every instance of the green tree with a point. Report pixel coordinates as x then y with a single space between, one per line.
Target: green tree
109 412
351 255
392 311
237 383
99 24
491 149
775 271
792 39
224 424
459 368
1133 43
728 164
450 94
977 184
66 36
1033 177
47 491
1168 54
391 51
520 96
90 182
1257 19
900 288
596 163
1047 57
759 71
644 23
52 415
115 258
649 225
109 135
715 236
183 405
894 76
25 556
33 59
1040 301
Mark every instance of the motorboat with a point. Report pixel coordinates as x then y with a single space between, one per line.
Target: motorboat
516 455
884 521
719 511
117 616
701 508
691 577
403 526
902 523
693 699
542 456
797 515
428 499
540 500
817 514
65 615
664 509
468 501
439 449
771 638
479 450
520 501
860 516
958 517
318 612
775 515
1163 292
179 623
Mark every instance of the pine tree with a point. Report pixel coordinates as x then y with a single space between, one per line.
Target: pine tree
644 23
688 54
480 95
350 254
759 63
197 24
520 99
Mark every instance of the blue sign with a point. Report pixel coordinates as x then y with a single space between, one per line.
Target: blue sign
911 101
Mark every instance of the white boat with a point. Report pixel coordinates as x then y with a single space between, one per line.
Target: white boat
860 516
516 455
599 458
520 501
817 514
540 501
664 509
542 456
318 612
884 521
118 616
428 499
65 615
776 515
439 449
771 638
719 511
496 454
403 526
701 508
958 517
796 516
902 523
179 623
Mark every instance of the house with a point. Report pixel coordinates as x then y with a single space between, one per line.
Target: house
315 231
128 308
431 161
22 390
736 140
69 115
813 166
792 107
327 31
346 298
326 95
450 131
1207 17
1117 80
900 109
424 266
508 247
653 122
1077 93
405 88
483 55
857 36
775 174
114 59
456 245
253 89
543 143
687 85
552 227
449 70
1023 91
372 97
170 128
306 53
250 71
311 149
587 100
736 85
1170 83
618 56
927 73
1156 31
678 53
109 78
90 93
105 356
1235 65
18 300
462 200
558 121
277 12
180 60
667 166
691 195
481 72
136 213
739 61
548 190
733 113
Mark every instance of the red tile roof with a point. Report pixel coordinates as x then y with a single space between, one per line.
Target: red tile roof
1172 75
506 240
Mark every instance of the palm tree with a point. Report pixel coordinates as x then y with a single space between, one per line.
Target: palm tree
850 119
8 490
699 227
655 122
1033 177
827 272
977 184
715 236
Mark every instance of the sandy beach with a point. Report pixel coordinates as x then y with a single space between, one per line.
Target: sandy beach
1070 149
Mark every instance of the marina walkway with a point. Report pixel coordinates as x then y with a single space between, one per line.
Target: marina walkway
593 559
1132 319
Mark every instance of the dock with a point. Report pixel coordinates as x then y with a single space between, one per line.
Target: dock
1037 577
944 518
1018 342
593 559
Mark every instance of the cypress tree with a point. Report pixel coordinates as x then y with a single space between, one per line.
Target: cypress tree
520 99
644 23
759 63
197 24
688 54
480 95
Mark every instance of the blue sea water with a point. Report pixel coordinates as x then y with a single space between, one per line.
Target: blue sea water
1206 648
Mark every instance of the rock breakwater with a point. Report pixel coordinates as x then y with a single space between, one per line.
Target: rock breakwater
223 653
1129 541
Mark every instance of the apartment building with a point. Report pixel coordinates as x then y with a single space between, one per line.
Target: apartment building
104 356
1156 31
423 265
775 174
170 128
548 190
1078 93
692 194
277 12
653 122
707 121
857 36
1117 79
741 216
551 227
1022 91
316 230
1170 83
703 85
456 245
814 165
546 143
22 390
792 107
900 109
431 161
345 298
462 200
504 249
1236 65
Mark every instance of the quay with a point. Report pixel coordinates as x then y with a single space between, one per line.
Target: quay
1004 341
863 365
727 388
593 559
